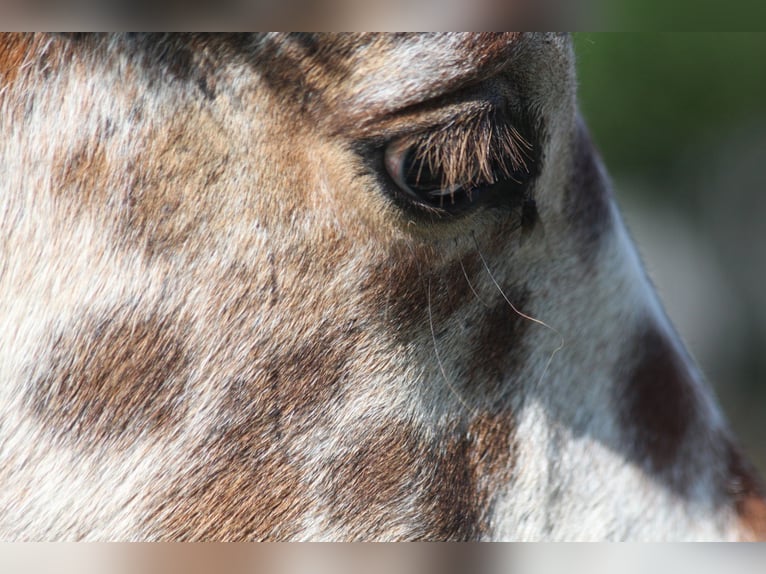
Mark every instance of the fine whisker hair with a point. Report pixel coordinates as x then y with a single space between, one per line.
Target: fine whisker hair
426 283
562 341
439 362
470 285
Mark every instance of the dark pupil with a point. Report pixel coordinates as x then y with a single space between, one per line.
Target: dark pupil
419 176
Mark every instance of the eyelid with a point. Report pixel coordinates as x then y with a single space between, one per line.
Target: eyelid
449 146
404 167
477 149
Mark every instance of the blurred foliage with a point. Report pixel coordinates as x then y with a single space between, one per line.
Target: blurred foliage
646 96
681 15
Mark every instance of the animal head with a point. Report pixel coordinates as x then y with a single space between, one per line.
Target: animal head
347 286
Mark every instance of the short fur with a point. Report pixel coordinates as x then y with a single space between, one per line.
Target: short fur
221 321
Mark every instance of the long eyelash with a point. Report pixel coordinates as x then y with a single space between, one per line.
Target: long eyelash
477 150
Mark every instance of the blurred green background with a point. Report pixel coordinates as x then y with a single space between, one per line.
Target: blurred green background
680 119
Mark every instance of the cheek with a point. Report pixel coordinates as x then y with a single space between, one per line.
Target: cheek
346 197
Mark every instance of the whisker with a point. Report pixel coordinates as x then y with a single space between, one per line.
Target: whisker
562 341
470 285
450 386
439 362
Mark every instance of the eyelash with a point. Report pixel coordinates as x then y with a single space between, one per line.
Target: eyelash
466 155
476 153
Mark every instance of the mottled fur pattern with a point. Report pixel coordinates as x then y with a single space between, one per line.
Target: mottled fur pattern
220 320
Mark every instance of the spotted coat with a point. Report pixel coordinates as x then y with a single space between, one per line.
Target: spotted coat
223 320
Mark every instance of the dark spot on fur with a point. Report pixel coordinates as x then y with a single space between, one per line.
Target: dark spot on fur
300 381
244 482
300 68
746 489
587 196
470 468
185 58
440 488
659 400
452 490
498 348
175 196
113 379
81 174
206 87
371 485
331 52
14 48
175 58
192 59
450 287
529 217
403 286
395 286
242 487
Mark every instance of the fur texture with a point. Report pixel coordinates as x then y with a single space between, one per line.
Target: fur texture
221 320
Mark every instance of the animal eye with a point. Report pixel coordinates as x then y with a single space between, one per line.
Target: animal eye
423 179
449 171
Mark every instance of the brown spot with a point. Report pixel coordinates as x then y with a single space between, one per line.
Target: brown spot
298 384
405 284
746 489
179 191
450 288
659 400
112 379
244 482
453 502
442 488
193 59
372 484
490 48
305 70
587 195
395 285
82 173
243 487
499 347
468 477
14 48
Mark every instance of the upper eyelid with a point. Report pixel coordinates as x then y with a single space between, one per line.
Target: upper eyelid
482 148
425 118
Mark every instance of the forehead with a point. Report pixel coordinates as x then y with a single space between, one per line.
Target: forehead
366 74
347 78
369 61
